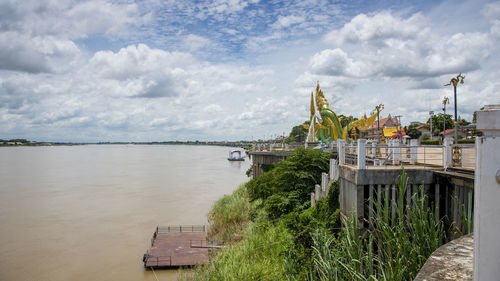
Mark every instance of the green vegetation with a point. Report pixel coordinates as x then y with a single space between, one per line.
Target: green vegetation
413 132
274 234
298 133
430 142
467 141
394 247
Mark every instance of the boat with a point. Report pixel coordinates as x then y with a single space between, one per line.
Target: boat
235 155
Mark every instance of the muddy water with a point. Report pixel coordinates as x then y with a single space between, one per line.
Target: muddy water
88 212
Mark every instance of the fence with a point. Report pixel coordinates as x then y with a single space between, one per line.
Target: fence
363 154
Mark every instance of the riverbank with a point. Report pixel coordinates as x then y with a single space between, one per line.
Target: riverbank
275 234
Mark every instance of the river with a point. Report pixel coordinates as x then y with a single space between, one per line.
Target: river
88 212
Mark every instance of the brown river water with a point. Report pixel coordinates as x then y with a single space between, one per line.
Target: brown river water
88 212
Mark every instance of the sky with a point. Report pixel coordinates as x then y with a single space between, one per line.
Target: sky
153 70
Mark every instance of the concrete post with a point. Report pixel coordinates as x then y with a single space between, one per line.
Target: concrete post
324 185
334 170
312 199
413 151
286 146
374 149
486 195
361 154
341 150
396 151
317 192
447 153
390 155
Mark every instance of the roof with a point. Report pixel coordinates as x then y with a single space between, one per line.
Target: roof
383 121
448 131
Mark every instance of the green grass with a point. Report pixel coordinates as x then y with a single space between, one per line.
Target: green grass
230 216
260 255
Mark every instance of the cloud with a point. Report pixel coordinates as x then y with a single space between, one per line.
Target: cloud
286 21
376 29
194 42
397 47
20 52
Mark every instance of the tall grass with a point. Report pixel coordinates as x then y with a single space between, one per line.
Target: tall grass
259 256
401 236
230 216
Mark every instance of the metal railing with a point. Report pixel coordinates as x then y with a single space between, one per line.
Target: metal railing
157 261
203 243
181 228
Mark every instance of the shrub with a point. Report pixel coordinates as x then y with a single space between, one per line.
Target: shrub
288 185
467 141
429 142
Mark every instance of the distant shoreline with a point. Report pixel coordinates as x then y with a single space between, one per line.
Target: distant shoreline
22 142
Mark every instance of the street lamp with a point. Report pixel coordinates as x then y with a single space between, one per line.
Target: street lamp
446 101
431 113
454 81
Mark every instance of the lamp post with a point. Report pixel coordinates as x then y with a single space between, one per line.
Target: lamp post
446 100
454 81
430 114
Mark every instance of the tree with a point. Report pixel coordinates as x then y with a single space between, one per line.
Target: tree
298 134
413 132
438 121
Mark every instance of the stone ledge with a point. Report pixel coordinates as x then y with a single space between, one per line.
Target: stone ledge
451 262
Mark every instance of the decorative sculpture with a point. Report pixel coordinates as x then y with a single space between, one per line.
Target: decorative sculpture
328 126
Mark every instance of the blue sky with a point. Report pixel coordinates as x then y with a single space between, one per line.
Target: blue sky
232 69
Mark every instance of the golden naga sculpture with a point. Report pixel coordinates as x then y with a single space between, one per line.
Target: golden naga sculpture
454 81
328 127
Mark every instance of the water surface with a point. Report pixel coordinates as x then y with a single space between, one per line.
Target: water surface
88 212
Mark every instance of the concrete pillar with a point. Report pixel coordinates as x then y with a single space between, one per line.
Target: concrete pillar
413 151
341 149
324 185
361 154
447 153
374 149
334 170
313 201
396 151
486 196
317 191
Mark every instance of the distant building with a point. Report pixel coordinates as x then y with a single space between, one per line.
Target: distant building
389 126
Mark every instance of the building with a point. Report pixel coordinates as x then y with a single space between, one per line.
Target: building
389 126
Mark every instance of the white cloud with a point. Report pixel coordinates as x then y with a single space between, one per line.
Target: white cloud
376 29
286 21
194 42
396 47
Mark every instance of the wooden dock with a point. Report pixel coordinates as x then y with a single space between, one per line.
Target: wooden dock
175 246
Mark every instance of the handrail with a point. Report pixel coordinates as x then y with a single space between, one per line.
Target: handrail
181 228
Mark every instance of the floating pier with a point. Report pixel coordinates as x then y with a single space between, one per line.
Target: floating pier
176 246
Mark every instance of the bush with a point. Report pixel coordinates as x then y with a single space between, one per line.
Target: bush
467 141
429 142
290 182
